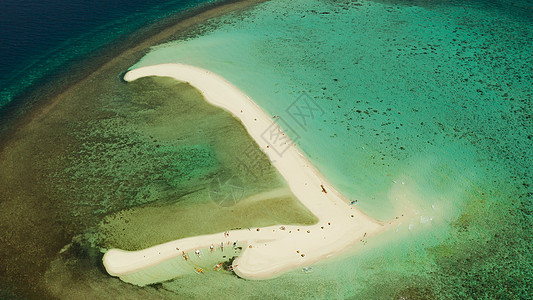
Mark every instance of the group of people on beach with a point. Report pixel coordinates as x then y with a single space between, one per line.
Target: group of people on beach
218 266
211 248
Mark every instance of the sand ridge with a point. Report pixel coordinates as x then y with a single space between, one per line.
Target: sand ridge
269 251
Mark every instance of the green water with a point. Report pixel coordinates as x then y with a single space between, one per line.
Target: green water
420 109
116 165
396 85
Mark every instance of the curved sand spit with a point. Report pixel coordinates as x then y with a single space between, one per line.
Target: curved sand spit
273 250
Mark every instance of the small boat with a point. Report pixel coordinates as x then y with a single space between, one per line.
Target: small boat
218 267
199 270
232 267
307 270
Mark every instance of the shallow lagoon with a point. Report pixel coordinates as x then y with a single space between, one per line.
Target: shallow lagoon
422 110
414 109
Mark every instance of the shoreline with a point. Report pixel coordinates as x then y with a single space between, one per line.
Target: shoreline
40 97
30 109
269 251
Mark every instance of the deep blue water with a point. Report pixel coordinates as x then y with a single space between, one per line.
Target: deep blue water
38 37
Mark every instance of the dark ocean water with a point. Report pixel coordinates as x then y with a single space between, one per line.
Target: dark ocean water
38 37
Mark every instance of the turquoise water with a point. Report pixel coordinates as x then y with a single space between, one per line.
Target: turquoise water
420 111
405 92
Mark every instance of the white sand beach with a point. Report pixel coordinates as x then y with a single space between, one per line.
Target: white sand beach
268 251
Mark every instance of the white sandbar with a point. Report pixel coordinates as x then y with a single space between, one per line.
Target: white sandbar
273 250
